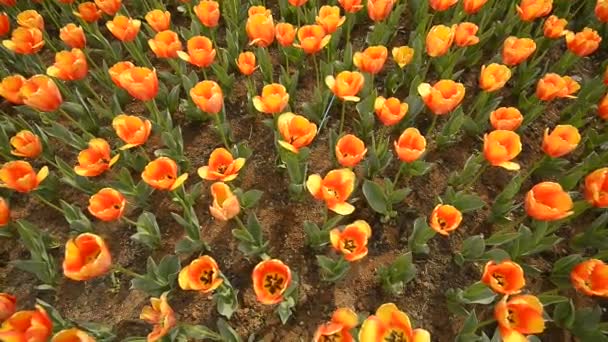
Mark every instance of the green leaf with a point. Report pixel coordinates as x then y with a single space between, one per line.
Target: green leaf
564 314
502 237
374 194
478 293
421 234
227 332
250 198
549 299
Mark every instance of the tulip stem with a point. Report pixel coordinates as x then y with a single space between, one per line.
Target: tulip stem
76 123
93 92
45 201
342 114
482 169
402 167
486 322
129 221
314 60
432 127
119 269
220 127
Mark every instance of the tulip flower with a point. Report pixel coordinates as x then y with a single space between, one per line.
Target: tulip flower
41 93
124 28
601 11
378 10
403 55
88 11
8 305
27 325
5 24
273 100
141 83
312 38
506 277
473 6
165 44
161 174
131 129
69 65
158 20
371 60
334 189
561 141
10 88
73 36
72 335
222 166
329 18
442 5
30 19
351 6
547 201
602 108
596 188
506 118
443 96
350 150
530 10
516 50
208 12
346 85
202 274
225 204
246 63
410 145
285 34
554 27
583 43
553 86
390 111
494 77
439 40
253 10
5 217
109 7
445 219
25 41
297 131
342 321
86 257
390 323
26 144
465 34
271 278
117 69
107 205
8 3
208 97
19 175
260 29
200 51
500 147
519 316
160 315
96 159
352 240
589 277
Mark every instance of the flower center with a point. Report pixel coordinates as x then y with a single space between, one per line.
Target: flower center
273 282
500 279
350 245
207 276
395 336
337 337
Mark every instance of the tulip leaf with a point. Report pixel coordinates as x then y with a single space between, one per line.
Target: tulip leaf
227 332
421 234
199 332
478 293
564 314
375 196
495 254
332 270
148 232
550 299
395 276
77 220
250 198
316 238
560 275
500 238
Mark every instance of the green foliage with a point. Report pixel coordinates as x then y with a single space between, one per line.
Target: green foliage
159 277
395 276
41 262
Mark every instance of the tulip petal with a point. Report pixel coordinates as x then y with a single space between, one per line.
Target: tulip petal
342 208
313 184
179 181
511 166
42 174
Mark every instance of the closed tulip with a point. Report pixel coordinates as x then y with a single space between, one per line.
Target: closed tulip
88 12
297 131
27 325
72 335
561 141
141 83
96 159
8 305
107 205
547 201
246 63
439 40
202 274
583 43
553 86
41 93
342 321
208 97
494 77
473 6
73 36
20 176
378 10
260 29
442 5
208 12
371 60
445 219
273 100
124 28
500 147
403 55
312 38
221 166
530 10
442 97
465 34
390 111
132 130
25 41
161 174
285 34
165 44
5 24
410 145
601 11
351 6
390 322
554 27
69 65
334 189
86 257
10 88
159 20
160 315
26 144
271 278
297 3
516 50
350 150
225 204
506 118
117 69
346 85
5 218
518 316
505 277
329 18
589 277
596 188
200 52
352 240
602 108
30 19
109 7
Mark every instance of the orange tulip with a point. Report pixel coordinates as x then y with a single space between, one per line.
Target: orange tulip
352 240
30 326
208 96
88 12
221 166
602 108
285 34
443 96
500 147
297 3
334 189
601 10
246 63
378 10
297 131
350 150
494 77
553 86
30 19
161 174
203 274
442 5
506 118
25 41
554 27
410 145
41 93
583 43
124 28
96 159
26 144
160 315
109 7
445 219
158 20
530 10
312 38
338 329
547 201
390 111
596 188
165 44
225 204
86 257
439 40
8 306
5 24
20 176
371 60
73 36
590 277
117 69
390 323
473 6
329 18
72 335
208 12
562 140
107 205
10 88
8 3
346 85
351 6
260 29
506 277
270 280
516 50
141 83
200 52
273 100
69 65
465 34
131 129
519 316
5 217
403 55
